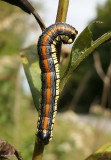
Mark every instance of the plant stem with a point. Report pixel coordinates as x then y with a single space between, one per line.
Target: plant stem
38 150
39 20
61 17
62 10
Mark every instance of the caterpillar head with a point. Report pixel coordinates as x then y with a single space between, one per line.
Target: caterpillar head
69 38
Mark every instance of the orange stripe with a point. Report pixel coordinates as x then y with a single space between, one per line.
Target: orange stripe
48 95
48 79
47 107
67 28
47 69
57 28
45 122
51 31
44 52
46 38
54 29
48 35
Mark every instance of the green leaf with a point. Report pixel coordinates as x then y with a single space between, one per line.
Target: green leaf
82 43
104 153
31 66
83 47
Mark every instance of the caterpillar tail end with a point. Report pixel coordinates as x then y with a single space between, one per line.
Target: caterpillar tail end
44 137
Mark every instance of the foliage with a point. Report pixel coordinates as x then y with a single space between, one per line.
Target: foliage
104 153
9 18
11 40
8 72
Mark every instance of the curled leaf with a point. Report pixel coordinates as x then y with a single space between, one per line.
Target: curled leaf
7 151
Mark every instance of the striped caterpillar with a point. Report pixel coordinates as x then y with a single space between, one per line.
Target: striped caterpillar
50 77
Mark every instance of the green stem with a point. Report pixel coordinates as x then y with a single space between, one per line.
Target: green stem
38 150
62 10
61 17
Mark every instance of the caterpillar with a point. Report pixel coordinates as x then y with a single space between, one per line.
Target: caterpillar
50 76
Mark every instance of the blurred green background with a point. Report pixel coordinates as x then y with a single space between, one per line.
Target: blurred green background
76 135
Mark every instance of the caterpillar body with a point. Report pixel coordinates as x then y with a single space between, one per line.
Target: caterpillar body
50 77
